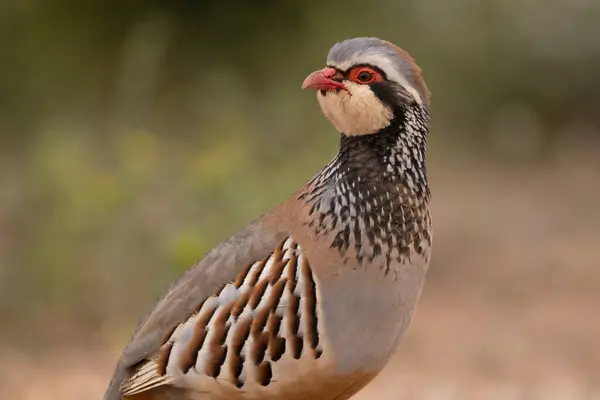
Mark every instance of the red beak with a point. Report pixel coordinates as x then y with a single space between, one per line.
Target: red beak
321 80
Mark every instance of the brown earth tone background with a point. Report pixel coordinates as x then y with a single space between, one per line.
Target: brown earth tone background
134 136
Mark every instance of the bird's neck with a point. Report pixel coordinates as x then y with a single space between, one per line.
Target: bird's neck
394 156
374 193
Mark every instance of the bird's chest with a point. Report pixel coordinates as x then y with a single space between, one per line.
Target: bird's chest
379 226
378 243
368 312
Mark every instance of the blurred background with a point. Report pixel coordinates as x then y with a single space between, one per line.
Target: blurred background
135 135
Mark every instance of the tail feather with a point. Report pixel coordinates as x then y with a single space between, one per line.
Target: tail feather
144 379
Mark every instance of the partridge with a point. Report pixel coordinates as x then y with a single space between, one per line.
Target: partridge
310 300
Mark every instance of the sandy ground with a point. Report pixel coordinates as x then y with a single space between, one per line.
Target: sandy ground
510 310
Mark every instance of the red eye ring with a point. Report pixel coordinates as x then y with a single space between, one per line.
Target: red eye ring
364 75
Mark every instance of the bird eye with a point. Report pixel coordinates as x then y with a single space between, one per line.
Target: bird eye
364 75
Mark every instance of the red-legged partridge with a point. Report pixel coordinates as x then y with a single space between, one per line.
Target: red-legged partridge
310 300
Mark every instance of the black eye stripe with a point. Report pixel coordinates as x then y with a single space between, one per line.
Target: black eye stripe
373 67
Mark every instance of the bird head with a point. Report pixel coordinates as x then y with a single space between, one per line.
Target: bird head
366 84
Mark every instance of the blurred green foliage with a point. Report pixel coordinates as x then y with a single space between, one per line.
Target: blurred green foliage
137 134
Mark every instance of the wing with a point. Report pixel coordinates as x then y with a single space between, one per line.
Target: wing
221 266
244 336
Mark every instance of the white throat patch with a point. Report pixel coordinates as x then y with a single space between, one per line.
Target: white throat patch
356 112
